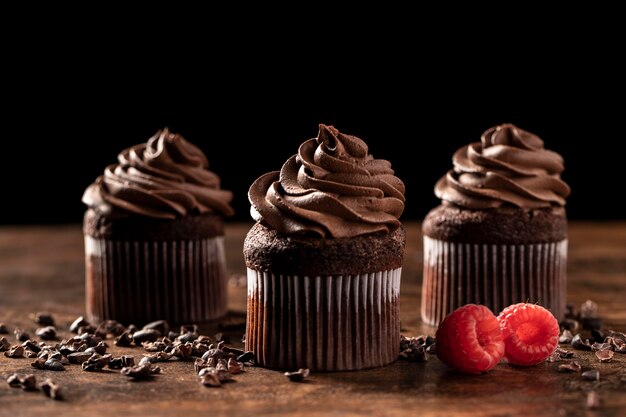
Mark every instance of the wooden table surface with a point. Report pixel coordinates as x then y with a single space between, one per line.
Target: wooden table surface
41 269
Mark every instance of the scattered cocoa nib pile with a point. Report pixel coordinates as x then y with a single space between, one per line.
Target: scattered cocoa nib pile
584 330
214 362
414 349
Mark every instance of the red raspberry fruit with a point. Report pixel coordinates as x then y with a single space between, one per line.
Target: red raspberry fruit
531 333
470 340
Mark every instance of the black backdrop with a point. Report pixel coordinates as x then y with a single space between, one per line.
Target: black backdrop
66 116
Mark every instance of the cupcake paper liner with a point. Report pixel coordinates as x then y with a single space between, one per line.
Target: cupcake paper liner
137 282
493 275
324 323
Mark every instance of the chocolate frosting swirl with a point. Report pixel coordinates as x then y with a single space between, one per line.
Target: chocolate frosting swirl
509 166
332 188
167 178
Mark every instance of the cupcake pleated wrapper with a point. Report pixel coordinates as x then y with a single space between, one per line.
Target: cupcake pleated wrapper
324 323
493 275
141 281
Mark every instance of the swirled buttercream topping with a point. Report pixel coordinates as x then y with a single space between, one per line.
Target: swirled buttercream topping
509 166
167 177
332 188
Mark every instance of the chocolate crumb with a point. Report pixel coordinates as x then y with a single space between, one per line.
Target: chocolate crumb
573 366
145 335
42 318
122 362
235 367
4 344
3 329
28 382
246 357
79 322
123 340
161 325
580 344
604 355
209 378
298 376
145 371
47 333
15 352
14 381
564 354
51 389
78 357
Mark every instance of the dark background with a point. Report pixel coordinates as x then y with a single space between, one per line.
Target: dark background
68 111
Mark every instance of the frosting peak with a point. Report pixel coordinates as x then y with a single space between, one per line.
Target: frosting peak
509 166
331 188
167 177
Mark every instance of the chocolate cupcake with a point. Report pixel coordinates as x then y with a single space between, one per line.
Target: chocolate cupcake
500 235
154 236
324 259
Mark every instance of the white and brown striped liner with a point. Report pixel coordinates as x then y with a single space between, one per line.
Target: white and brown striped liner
324 323
493 275
137 282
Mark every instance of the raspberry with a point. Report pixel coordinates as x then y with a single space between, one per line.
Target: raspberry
531 333
470 340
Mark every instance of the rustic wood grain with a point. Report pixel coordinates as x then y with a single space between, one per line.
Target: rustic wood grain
41 269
